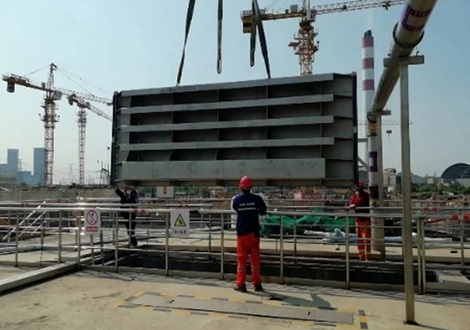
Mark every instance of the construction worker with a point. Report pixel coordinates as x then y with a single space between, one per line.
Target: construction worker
363 230
249 207
129 196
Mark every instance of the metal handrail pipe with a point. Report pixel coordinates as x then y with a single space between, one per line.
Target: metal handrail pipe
407 34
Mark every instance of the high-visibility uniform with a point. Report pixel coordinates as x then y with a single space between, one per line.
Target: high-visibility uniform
249 207
363 230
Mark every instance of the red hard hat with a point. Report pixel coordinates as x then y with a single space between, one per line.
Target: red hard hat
246 183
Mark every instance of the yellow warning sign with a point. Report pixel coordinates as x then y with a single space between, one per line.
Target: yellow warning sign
179 222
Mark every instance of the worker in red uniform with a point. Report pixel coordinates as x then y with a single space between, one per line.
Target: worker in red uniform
249 207
363 230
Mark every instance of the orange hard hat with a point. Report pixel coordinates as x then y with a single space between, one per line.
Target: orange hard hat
246 183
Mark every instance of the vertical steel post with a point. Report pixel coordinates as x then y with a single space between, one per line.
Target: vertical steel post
281 247
419 253
210 232
101 247
346 246
59 257
295 238
423 258
222 247
462 241
16 236
116 242
406 194
167 244
378 239
407 226
79 254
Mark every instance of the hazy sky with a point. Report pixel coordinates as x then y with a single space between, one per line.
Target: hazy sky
128 44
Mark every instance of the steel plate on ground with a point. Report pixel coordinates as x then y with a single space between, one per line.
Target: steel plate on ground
246 308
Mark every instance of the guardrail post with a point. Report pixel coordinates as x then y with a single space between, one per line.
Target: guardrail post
462 242
167 243
59 256
16 236
116 242
222 246
281 247
346 245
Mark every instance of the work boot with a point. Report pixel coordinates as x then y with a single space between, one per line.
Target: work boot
241 288
259 288
133 242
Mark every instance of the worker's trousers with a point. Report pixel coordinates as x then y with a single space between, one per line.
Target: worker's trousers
248 245
363 232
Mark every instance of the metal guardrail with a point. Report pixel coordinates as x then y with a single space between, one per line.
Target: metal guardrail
213 227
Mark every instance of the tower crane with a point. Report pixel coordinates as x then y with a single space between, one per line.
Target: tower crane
50 117
304 42
82 120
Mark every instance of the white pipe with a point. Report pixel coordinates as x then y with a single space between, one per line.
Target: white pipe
407 34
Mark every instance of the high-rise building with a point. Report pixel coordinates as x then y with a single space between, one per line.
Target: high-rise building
12 161
38 173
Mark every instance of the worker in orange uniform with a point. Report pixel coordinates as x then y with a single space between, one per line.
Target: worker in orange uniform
363 224
249 207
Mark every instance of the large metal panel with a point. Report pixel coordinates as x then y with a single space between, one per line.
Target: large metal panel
283 131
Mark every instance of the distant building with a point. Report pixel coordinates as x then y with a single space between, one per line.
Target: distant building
38 171
13 161
457 173
390 178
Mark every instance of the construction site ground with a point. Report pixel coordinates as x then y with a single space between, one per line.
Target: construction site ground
97 300
107 300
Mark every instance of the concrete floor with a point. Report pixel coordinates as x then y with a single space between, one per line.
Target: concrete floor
95 300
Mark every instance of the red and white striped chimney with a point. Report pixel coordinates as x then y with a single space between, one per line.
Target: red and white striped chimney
368 83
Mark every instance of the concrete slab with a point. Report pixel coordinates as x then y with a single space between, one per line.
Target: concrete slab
6 271
257 308
95 300
25 278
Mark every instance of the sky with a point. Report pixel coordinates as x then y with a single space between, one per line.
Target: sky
128 44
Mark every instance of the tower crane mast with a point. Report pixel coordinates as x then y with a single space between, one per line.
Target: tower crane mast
82 120
50 117
304 41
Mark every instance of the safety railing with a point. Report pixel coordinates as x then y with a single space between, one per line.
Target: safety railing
288 241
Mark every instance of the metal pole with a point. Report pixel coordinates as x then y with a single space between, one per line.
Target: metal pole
423 258
222 247
406 195
16 237
79 241
379 235
101 247
419 253
295 238
281 247
462 240
59 258
348 280
210 231
167 243
92 250
116 242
